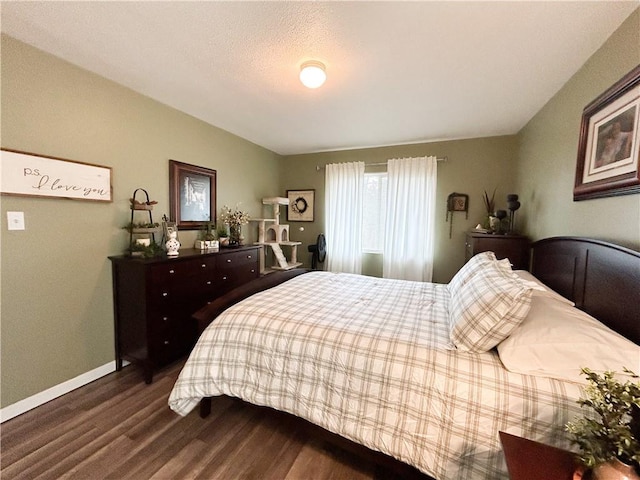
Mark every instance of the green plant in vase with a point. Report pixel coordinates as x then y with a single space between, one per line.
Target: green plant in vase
610 436
221 231
210 232
490 206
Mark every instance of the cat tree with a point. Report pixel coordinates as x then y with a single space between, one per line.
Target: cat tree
272 236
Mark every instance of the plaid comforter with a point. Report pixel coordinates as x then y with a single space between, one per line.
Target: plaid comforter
370 359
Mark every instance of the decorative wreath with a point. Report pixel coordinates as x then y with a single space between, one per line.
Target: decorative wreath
300 205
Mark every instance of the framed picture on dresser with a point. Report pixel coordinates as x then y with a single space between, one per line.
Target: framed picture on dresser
192 195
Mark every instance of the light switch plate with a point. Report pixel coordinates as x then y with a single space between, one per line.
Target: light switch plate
15 220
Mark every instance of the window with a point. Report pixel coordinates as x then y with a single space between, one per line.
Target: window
374 212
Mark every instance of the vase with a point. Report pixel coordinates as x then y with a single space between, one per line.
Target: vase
494 223
235 232
172 245
614 470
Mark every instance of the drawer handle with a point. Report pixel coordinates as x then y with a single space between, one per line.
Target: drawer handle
249 256
164 319
224 278
172 271
166 342
164 294
209 282
228 260
204 265
253 270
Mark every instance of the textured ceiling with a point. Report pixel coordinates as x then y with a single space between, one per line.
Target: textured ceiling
398 72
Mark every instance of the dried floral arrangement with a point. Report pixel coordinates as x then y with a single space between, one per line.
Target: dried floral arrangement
490 203
234 218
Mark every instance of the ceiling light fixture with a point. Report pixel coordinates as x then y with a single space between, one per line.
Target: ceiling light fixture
312 74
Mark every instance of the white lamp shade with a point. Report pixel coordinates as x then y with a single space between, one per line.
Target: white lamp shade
312 74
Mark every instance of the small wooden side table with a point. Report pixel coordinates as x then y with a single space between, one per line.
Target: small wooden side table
530 460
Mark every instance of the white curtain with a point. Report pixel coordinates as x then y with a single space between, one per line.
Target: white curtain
409 231
344 184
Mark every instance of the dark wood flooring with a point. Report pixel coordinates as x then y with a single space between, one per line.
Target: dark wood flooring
120 428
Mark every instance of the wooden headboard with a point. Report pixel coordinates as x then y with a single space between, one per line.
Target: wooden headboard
602 279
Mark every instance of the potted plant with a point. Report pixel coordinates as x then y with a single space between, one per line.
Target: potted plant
223 236
610 436
490 205
235 219
210 232
208 237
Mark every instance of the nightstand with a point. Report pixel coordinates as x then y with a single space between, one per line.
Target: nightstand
529 460
513 247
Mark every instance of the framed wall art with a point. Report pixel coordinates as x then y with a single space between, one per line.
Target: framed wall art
301 205
192 195
609 145
30 174
458 202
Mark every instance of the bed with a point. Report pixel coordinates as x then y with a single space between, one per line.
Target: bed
425 373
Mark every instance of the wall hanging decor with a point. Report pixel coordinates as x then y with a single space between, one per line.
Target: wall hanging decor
609 145
301 205
513 204
30 174
456 202
192 195
142 234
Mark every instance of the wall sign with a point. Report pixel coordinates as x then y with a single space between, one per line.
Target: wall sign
28 174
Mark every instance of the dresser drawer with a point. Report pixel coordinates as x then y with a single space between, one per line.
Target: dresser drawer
155 298
168 347
170 273
236 259
235 269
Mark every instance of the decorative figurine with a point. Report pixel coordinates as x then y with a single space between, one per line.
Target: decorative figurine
172 245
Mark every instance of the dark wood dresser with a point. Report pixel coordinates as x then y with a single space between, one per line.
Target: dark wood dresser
513 247
154 299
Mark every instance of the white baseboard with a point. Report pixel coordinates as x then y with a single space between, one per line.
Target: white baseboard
56 391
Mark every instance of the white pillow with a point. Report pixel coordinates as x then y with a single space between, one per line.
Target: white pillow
487 308
556 340
539 288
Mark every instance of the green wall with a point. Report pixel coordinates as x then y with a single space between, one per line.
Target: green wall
472 166
57 316
56 304
548 153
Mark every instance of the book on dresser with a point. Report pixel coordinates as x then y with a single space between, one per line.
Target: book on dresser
155 298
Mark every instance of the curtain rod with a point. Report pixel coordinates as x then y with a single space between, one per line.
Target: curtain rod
438 159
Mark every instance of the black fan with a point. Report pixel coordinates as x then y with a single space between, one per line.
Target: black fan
319 251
